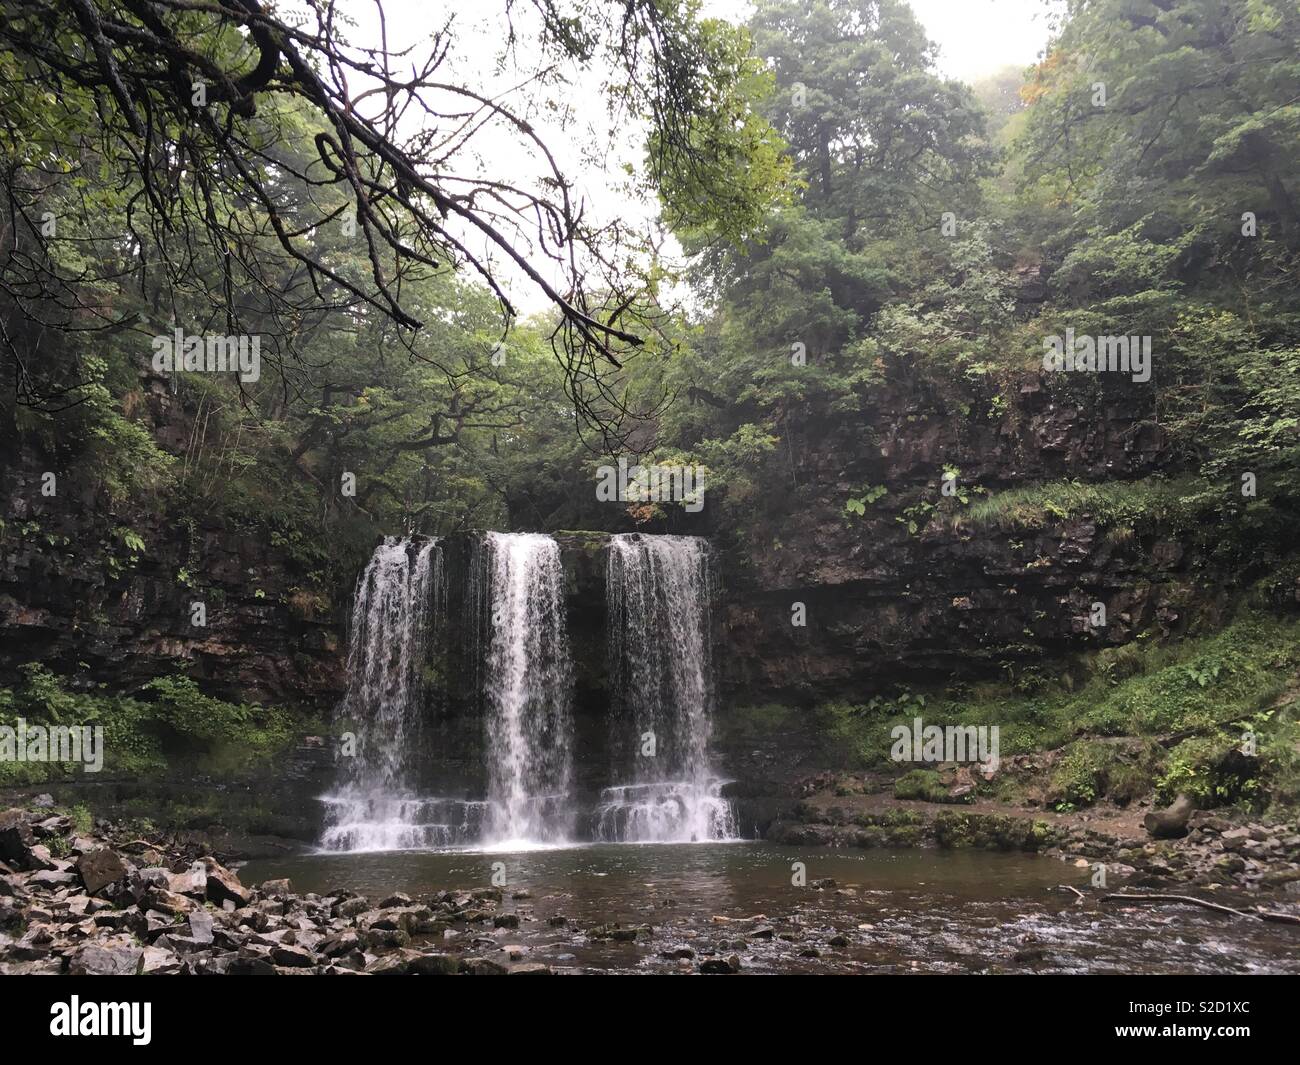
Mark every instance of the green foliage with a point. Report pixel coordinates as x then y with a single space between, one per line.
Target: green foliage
1080 778
1204 768
870 494
179 725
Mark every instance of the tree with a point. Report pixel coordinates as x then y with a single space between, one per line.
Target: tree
231 134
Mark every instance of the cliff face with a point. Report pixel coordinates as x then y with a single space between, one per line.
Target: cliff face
71 596
906 592
892 595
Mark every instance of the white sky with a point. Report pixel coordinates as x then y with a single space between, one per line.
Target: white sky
980 37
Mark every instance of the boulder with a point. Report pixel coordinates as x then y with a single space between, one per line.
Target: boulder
201 926
396 899
16 838
292 957
1170 823
482 967
52 826
530 968
398 963
435 965
158 962
164 901
99 868
106 961
52 878
223 884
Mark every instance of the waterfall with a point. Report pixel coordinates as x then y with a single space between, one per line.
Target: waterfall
660 665
527 687
396 615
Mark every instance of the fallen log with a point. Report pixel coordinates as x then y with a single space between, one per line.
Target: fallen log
1260 915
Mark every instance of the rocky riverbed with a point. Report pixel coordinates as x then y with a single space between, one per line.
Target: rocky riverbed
1219 850
100 901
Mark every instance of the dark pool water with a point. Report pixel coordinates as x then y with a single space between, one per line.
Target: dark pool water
888 911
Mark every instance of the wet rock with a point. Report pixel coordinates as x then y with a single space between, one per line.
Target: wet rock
506 920
396 899
100 868
435 965
720 966
352 907
530 968
275 887
482 967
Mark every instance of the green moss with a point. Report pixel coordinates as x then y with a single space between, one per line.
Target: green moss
1242 677
923 784
747 723
1117 504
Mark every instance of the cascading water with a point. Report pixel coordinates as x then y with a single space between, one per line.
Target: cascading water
396 615
657 590
528 688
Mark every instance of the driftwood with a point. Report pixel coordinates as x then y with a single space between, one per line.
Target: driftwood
141 843
1170 823
1261 915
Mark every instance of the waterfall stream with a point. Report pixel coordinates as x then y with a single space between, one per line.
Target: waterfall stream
657 590
518 667
395 615
528 686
